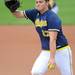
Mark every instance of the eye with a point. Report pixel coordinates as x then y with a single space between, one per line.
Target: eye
39 2
36 2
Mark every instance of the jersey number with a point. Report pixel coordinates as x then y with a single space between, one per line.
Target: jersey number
45 33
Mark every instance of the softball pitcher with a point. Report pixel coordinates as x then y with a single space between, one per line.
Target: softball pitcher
55 49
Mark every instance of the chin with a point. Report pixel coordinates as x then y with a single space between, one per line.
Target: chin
38 9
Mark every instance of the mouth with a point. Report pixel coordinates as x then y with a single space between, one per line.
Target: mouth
38 7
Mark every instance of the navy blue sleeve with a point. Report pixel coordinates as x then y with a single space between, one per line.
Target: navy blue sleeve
31 14
54 23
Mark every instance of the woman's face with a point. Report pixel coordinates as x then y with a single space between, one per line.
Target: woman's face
41 5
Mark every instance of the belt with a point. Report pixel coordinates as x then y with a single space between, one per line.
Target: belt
62 48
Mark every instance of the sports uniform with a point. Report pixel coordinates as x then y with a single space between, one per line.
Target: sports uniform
44 23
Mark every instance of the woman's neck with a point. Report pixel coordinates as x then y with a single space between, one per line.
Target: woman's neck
43 11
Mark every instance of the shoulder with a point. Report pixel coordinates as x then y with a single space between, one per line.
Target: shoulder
51 14
31 14
53 21
52 17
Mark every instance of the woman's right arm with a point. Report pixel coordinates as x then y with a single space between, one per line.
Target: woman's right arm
12 5
19 14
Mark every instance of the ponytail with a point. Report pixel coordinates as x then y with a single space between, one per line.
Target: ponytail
49 6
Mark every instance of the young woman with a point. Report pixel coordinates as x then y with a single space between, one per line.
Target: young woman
55 49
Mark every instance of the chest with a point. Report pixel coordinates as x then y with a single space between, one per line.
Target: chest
41 25
41 22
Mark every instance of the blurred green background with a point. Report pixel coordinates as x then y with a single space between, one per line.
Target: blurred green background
66 12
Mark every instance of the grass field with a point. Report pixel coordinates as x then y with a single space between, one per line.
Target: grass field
66 12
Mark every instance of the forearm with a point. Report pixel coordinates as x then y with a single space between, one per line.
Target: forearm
53 38
51 64
18 14
53 49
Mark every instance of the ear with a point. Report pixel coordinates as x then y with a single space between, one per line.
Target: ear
47 3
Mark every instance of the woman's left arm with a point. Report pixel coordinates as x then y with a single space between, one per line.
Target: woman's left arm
53 38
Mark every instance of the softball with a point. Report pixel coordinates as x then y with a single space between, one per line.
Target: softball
51 66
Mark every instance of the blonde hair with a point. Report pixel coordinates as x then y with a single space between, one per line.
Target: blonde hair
49 5
51 2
